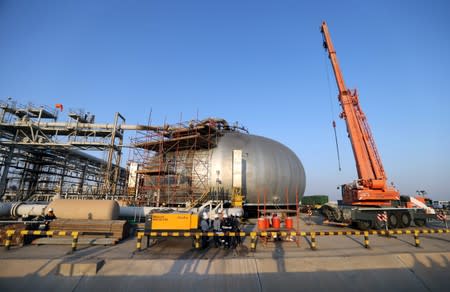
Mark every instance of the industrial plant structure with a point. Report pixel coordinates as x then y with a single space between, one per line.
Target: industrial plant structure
41 157
193 162
183 164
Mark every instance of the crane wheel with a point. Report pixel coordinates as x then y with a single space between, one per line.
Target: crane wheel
392 220
405 219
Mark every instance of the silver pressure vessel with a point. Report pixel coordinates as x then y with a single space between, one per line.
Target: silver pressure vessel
269 169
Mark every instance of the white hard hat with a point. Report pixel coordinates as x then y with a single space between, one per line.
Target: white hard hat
205 216
50 209
225 215
216 215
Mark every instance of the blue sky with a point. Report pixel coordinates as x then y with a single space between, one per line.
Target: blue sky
257 62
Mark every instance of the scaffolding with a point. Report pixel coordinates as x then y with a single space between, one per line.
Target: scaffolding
41 157
173 162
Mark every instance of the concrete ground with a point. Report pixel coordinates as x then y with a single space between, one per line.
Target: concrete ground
340 263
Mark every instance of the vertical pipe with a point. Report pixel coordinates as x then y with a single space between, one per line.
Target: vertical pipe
63 174
83 177
4 175
118 158
297 210
265 193
257 206
108 177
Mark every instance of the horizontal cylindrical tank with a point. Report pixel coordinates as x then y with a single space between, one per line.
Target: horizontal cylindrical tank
85 209
269 168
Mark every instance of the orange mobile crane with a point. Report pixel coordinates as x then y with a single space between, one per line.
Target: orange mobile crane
369 194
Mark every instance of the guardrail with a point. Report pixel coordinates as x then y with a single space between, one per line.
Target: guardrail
74 234
253 235
264 234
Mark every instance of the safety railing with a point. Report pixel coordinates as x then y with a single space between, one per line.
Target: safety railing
74 234
312 235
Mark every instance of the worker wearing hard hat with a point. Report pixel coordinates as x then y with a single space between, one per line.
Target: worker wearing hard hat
227 226
204 226
50 215
216 228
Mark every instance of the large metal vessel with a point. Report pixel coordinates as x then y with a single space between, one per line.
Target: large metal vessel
194 163
270 170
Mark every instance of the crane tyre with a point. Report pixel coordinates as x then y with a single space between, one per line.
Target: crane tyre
405 220
393 220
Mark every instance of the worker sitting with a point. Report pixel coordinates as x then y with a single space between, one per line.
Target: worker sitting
50 216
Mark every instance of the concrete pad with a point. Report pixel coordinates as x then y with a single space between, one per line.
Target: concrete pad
20 268
387 272
339 264
85 268
431 268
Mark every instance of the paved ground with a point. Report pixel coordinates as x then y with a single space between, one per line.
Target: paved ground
340 263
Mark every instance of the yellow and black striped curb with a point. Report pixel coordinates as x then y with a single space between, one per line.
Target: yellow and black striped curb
312 234
289 233
49 233
73 234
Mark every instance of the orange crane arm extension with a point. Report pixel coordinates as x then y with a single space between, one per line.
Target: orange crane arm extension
368 163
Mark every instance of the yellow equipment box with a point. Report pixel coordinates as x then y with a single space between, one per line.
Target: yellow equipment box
174 221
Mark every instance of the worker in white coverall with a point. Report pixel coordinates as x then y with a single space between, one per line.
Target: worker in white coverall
204 226
216 228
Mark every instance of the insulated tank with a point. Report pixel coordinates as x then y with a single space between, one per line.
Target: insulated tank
85 209
268 168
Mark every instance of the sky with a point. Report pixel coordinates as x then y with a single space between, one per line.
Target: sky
260 63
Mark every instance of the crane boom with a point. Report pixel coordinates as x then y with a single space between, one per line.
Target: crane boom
371 187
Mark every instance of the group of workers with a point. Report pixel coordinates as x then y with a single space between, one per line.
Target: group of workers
221 223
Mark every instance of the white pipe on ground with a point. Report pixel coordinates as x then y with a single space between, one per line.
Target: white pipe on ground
26 210
21 209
